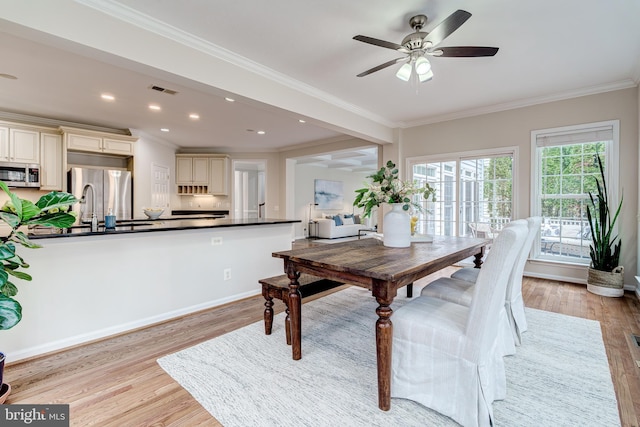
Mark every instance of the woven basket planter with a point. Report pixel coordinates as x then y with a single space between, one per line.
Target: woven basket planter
605 283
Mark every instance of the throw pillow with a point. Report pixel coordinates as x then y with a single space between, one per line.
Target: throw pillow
356 219
337 219
348 220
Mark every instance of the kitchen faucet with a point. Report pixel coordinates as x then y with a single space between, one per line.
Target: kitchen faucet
83 200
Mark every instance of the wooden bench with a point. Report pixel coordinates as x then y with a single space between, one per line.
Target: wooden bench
278 287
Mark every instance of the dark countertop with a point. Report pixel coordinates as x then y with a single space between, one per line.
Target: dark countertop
199 212
149 225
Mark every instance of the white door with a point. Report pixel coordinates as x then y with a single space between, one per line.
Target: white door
160 186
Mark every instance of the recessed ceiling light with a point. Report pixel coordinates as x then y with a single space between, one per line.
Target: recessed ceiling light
164 130
302 121
194 116
261 132
154 107
229 99
107 97
8 76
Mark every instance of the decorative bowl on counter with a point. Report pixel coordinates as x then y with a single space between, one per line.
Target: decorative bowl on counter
153 213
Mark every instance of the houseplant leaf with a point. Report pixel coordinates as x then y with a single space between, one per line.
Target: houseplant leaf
10 312
55 200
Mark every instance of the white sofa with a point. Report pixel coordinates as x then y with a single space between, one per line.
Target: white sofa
327 229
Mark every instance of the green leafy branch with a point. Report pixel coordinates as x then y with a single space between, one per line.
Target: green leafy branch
386 187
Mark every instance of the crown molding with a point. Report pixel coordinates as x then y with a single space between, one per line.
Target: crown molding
623 84
55 123
127 14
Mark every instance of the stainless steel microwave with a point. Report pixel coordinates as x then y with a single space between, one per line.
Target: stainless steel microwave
20 174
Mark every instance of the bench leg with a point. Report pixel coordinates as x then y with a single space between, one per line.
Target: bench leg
410 290
268 315
287 326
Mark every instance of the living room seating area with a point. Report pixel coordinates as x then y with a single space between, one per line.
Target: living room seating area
336 226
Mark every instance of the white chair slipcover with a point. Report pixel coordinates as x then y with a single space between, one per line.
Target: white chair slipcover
446 355
514 304
461 291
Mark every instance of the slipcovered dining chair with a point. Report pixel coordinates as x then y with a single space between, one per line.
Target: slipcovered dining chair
461 292
446 355
460 289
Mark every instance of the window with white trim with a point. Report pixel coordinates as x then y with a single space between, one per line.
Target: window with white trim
474 192
565 168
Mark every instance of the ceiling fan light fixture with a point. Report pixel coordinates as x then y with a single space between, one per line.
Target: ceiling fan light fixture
423 66
404 73
426 76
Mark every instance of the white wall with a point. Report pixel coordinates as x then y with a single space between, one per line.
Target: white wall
513 128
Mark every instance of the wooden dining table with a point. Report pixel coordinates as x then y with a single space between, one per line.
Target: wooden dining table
383 270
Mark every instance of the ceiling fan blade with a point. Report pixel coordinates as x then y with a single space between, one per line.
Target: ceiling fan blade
465 51
448 26
377 42
380 67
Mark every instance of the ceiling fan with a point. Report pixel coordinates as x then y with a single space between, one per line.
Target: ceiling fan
417 46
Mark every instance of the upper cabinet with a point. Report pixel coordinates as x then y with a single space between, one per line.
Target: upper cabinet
19 145
219 176
51 170
98 142
201 174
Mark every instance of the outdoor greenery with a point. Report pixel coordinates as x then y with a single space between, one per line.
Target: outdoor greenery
568 174
604 251
498 186
386 187
51 210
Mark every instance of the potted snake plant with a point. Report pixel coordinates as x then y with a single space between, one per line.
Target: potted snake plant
51 210
605 275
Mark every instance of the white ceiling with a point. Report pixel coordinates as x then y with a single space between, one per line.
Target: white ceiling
71 51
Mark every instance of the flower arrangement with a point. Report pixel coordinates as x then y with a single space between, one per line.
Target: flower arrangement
386 187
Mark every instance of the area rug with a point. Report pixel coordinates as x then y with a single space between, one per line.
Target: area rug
559 376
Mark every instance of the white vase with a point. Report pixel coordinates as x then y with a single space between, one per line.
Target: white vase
396 227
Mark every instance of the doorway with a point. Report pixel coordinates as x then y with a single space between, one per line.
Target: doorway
249 186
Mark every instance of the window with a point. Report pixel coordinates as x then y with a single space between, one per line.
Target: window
565 168
474 194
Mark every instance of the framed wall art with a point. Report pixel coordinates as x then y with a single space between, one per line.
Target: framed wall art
328 194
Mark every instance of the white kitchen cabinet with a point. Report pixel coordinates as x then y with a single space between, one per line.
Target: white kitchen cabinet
98 142
184 170
192 174
4 144
51 173
200 171
219 176
117 146
19 145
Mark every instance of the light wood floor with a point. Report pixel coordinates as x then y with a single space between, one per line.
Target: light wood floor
117 382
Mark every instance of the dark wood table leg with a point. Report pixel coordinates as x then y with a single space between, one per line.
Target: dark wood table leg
410 290
268 315
384 337
295 311
478 258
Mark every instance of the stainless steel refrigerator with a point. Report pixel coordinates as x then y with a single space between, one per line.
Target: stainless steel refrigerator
112 189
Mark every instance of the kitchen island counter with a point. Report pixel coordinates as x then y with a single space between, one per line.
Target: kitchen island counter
154 225
87 286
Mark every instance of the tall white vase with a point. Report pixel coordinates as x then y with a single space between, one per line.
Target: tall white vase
396 229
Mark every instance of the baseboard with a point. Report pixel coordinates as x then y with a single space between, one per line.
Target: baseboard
55 346
627 287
